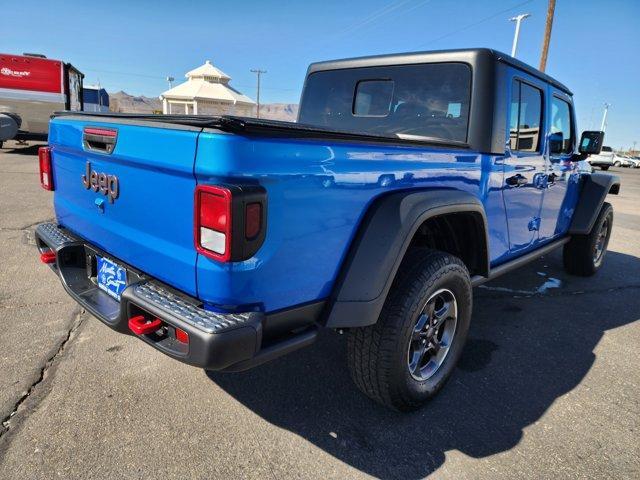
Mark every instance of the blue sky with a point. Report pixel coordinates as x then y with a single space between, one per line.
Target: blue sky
134 45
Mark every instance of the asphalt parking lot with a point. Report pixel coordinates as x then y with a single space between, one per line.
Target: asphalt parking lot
548 386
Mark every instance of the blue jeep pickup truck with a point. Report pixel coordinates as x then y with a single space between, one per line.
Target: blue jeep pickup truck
225 242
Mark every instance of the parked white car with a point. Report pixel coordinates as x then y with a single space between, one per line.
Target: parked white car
605 159
631 162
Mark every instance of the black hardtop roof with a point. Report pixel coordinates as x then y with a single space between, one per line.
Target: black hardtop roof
470 55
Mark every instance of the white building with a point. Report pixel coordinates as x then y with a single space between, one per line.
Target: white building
206 92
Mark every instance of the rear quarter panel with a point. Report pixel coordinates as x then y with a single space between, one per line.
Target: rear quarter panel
317 196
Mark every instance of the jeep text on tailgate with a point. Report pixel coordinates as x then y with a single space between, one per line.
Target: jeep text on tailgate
225 242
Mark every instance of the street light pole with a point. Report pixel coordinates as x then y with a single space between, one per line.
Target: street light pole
604 117
518 19
170 80
258 72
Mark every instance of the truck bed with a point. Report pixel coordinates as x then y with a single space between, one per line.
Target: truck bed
272 128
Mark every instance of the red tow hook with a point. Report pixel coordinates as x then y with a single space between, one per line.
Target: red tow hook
139 325
48 257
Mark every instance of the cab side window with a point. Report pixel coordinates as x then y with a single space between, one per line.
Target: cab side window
525 118
561 128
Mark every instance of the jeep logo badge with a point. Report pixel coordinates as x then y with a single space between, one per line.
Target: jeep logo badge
107 184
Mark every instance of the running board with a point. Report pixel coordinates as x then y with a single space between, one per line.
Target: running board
518 262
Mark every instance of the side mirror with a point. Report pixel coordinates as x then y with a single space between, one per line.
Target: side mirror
556 141
591 142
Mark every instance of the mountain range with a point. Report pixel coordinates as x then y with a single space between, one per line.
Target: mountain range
122 102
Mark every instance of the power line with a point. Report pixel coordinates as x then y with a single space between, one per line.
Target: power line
163 78
471 25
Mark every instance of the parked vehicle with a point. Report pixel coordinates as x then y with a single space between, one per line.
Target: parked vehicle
629 161
605 159
32 87
225 242
95 99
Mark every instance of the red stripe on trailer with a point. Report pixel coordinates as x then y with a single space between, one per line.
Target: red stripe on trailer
31 73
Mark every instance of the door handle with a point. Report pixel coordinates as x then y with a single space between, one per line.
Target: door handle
517 180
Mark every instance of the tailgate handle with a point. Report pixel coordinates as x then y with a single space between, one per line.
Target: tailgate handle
99 139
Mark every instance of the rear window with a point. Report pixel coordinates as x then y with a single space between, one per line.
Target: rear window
403 101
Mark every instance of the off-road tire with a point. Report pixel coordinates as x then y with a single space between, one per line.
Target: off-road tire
579 254
377 355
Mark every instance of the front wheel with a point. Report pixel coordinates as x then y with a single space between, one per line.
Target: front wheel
584 254
617 164
408 355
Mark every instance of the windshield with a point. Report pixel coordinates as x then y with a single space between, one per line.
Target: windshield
403 101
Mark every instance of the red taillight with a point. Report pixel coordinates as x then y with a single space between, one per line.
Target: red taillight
46 173
213 222
252 220
230 221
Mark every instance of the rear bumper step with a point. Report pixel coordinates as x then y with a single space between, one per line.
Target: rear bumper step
216 341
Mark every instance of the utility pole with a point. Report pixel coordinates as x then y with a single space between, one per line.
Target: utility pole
258 72
604 117
547 35
518 19
170 80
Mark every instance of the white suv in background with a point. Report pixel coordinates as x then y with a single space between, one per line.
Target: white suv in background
605 159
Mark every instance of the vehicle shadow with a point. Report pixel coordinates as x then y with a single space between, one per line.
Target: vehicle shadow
31 149
522 354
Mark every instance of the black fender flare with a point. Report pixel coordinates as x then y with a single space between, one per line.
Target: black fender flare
595 188
380 244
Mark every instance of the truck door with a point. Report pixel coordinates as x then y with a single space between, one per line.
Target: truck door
524 169
559 199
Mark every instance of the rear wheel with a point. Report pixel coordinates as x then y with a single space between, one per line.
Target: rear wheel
584 254
604 167
408 355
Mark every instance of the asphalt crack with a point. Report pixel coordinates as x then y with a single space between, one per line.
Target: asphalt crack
51 361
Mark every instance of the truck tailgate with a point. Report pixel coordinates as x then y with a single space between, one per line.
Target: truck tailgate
143 214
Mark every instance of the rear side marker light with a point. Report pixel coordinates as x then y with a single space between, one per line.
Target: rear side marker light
140 326
182 336
46 172
48 257
252 220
